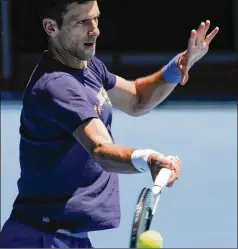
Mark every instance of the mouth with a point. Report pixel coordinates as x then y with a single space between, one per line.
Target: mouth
89 44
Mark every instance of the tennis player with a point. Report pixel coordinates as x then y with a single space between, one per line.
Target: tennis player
69 160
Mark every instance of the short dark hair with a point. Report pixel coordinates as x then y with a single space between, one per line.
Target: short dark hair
55 9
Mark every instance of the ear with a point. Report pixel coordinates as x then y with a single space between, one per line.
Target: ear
50 26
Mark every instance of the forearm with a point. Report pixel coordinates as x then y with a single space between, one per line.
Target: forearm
94 137
153 89
114 158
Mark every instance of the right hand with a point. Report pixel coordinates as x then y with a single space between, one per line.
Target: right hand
158 161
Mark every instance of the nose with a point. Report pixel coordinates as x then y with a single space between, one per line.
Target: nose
94 30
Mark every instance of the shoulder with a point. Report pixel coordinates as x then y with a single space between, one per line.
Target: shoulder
97 65
48 79
108 78
46 73
55 83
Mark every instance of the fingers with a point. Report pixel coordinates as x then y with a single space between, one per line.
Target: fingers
185 77
210 37
172 179
176 165
183 59
192 40
159 161
200 33
202 30
175 160
207 26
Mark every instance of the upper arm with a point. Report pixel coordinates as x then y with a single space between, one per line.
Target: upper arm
122 92
64 102
123 96
92 134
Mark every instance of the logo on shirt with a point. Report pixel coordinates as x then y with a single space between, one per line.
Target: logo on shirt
103 98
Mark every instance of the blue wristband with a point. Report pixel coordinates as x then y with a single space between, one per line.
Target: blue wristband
171 72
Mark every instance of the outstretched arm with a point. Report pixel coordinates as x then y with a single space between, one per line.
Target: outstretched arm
94 137
142 95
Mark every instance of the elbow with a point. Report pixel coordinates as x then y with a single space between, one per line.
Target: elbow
139 107
139 110
98 153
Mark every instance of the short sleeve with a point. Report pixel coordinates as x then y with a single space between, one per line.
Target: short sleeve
64 101
109 79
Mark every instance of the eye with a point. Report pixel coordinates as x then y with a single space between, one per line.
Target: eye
82 22
85 21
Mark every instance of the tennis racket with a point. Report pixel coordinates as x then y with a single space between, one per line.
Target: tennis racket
146 206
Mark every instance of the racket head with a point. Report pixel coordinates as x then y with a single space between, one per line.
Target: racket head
143 215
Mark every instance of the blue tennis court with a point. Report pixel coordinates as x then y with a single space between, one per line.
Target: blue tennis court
200 210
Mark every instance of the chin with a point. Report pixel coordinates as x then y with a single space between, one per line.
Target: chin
89 56
85 56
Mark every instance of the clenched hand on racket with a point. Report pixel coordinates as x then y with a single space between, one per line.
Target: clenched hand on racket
158 161
198 46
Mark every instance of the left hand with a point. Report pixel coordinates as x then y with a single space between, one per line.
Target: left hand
198 46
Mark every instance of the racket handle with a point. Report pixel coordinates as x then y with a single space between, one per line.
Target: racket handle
161 180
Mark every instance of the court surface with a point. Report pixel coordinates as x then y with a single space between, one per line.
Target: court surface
200 210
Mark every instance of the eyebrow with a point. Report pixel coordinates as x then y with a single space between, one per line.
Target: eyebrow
76 16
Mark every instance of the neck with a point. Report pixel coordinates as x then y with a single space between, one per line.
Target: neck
65 58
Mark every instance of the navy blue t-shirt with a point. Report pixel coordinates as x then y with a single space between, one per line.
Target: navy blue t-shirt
59 179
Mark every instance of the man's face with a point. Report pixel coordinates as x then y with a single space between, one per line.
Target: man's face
79 30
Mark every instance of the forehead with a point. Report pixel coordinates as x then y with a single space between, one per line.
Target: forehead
86 10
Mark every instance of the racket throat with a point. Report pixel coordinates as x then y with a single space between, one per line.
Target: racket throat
156 204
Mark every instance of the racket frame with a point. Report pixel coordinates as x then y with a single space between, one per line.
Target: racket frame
144 207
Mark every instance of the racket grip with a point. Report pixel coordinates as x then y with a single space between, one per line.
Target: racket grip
161 180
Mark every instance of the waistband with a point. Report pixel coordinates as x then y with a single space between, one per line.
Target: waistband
45 223
75 235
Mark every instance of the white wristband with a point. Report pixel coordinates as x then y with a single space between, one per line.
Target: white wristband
139 159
